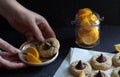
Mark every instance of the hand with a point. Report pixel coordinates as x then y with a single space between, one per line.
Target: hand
29 23
32 25
9 57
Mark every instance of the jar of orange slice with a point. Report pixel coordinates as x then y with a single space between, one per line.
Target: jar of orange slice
88 24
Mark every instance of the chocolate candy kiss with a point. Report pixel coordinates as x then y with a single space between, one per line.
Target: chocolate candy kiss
101 58
47 45
80 65
119 72
99 74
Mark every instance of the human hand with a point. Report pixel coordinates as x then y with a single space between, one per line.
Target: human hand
9 56
31 24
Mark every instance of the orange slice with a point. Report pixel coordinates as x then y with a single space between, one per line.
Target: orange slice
91 37
92 18
82 74
86 11
85 22
32 59
117 47
82 13
33 51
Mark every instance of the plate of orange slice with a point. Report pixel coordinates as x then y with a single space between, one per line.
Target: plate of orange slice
30 54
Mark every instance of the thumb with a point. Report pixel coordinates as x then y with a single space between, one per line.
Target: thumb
7 47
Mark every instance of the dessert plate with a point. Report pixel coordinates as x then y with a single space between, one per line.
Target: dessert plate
45 61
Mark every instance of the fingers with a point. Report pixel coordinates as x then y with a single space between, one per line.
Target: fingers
38 33
10 65
9 56
45 28
34 33
3 53
7 47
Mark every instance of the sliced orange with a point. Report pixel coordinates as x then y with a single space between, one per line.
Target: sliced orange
92 18
33 51
91 37
86 11
78 39
32 59
83 31
85 22
82 74
117 47
82 13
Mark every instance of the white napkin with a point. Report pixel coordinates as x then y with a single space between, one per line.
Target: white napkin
74 55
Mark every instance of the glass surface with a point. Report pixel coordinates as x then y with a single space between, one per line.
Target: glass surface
88 31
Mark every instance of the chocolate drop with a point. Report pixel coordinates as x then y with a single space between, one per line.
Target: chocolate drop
47 45
101 58
99 74
80 65
119 72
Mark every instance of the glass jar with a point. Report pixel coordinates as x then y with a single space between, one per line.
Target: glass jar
88 31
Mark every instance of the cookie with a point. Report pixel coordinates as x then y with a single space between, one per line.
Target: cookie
99 73
49 48
78 66
116 60
101 62
116 72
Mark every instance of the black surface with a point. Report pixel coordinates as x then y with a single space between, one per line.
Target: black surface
60 14
109 37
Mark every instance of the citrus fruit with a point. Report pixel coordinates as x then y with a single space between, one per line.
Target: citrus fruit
32 59
83 31
91 37
85 22
79 39
33 51
86 11
82 13
117 47
92 18
82 74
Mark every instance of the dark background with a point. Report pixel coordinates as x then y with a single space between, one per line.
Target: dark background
59 14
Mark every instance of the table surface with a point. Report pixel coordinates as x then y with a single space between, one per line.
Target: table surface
109 35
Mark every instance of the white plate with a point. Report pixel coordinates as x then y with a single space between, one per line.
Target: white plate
45 61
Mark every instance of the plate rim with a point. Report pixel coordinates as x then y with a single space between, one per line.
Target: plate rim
42 64
20 54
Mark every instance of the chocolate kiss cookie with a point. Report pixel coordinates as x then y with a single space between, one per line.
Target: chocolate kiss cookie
101 62
99 73
49 47
78 66
116 60
116 72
